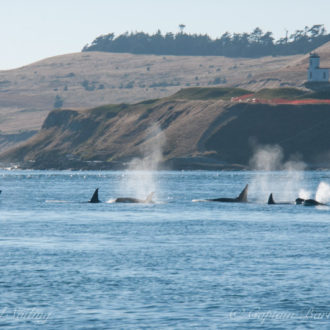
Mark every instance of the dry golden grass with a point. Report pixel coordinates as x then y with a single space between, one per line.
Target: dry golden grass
28 93
292 74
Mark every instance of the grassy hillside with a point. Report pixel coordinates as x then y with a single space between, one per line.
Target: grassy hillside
291 74
226 93
198 129
281 93
210 93
85 80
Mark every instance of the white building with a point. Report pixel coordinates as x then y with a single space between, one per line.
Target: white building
315 73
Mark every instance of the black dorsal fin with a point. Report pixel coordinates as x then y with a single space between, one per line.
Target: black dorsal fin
95 197
243 195
271 200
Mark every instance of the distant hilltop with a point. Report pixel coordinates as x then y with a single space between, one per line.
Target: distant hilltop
251 45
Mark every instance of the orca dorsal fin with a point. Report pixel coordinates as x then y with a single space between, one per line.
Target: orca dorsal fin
271 200
243 195
149 197
95 197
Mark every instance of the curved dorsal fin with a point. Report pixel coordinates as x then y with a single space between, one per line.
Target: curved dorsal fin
243 195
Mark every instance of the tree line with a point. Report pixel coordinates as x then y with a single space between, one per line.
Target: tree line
254 44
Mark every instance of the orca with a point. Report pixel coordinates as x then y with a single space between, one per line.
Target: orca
95 197
148 200
308 202
312 202
242 198
299 201
272 202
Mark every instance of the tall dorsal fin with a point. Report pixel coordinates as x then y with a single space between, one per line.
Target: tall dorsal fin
271 200
95 197
243 195
149 197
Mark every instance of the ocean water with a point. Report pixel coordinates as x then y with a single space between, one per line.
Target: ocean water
68 264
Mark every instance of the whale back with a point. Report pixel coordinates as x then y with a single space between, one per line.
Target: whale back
300 201
312 202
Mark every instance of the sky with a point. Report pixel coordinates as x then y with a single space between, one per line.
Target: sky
31 30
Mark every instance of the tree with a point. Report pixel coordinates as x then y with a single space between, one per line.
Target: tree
316 30
254 44
256 35
181 27
58 103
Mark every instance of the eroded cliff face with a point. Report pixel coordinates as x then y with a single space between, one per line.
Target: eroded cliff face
195 134
120 132
302 131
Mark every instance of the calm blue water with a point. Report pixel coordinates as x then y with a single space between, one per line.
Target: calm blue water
66 264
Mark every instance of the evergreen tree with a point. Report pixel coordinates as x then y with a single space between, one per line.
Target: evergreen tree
58 102
255 44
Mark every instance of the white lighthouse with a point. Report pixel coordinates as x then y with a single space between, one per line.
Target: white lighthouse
315 73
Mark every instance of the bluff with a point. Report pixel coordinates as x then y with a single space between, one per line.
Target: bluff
198 128
90 79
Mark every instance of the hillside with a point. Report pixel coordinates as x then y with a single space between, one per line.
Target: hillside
195 128
85 80
293 74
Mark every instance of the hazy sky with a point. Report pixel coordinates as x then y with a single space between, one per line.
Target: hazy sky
31 30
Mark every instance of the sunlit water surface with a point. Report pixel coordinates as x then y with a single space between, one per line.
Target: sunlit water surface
65 263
